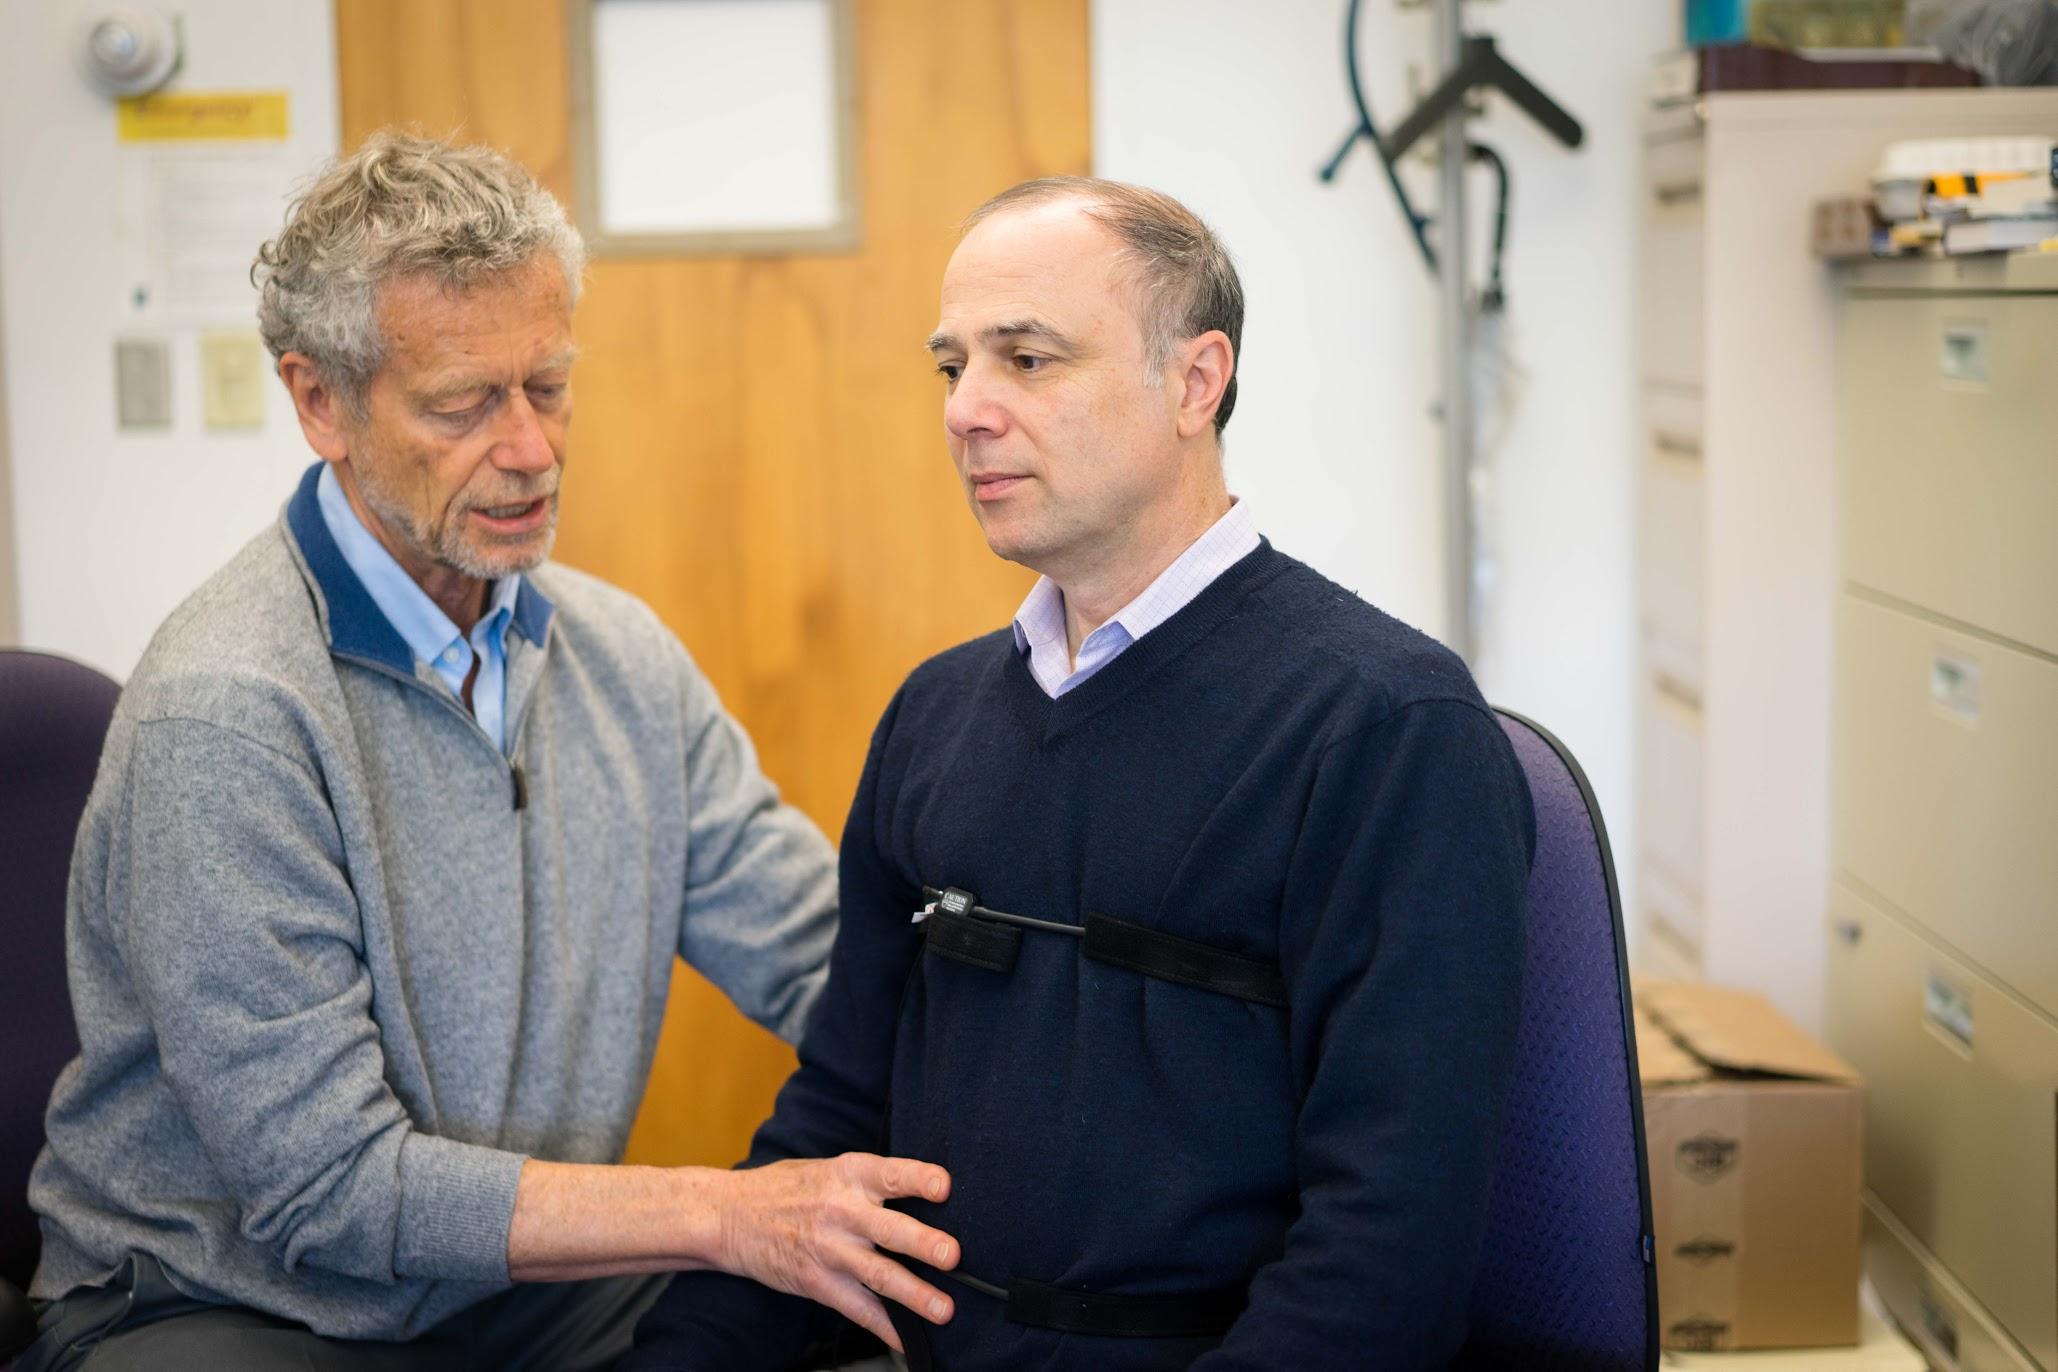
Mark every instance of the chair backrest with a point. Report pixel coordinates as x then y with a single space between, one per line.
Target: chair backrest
1567 1279
53 718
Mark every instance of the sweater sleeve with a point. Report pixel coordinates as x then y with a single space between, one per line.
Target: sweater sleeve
241 934
759 912
834 1103
1402 948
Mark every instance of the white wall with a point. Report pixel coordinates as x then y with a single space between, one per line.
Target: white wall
10 598
1232 107
1229 105
113 529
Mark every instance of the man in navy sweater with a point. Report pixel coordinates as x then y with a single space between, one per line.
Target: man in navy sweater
1181 921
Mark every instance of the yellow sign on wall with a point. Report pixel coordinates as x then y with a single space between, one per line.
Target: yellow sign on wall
201 116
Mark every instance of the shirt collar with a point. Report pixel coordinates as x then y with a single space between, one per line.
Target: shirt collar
360 624
1227 541
1042 616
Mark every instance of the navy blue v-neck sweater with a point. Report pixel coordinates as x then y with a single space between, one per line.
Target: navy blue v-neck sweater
1278 771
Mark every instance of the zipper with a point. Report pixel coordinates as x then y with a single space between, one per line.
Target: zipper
518 781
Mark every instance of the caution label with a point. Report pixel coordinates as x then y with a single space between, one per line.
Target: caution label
202 116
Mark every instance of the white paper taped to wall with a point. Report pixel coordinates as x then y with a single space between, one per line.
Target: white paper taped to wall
191 223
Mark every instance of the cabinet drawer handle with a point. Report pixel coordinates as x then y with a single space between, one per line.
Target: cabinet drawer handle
1678 691
1675 444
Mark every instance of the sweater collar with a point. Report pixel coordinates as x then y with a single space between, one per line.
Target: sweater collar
1220 599
356 626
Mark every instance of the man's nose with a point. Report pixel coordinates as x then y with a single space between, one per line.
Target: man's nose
522 445
973 406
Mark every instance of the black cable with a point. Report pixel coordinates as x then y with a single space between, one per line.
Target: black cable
1493 299
930 893
1366 129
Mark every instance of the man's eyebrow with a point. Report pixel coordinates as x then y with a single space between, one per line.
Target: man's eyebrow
453 388
1013 328
462 384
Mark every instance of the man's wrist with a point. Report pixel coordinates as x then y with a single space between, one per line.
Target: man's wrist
698 1205
578 1220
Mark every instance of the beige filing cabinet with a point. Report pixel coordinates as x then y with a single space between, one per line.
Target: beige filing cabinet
1943 911
1737 575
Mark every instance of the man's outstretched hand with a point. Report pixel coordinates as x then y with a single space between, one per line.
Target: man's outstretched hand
815 1228
810 1227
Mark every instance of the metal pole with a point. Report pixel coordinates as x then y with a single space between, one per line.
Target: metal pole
1457 346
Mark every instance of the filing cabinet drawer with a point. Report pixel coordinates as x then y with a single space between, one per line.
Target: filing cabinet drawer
1948 457
1660 955
1672 915
1671 302
1674 254
1940 1314
1675 169
1671 786
1946 790
1673 555
1961 1111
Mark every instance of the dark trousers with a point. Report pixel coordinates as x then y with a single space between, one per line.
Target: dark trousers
140 1322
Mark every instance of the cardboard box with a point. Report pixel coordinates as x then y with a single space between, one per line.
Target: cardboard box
1756 1136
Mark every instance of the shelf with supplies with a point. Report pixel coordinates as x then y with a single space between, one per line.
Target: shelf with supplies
1737 518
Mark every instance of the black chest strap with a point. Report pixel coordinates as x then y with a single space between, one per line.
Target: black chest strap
958 927
1199 1314
1184 1315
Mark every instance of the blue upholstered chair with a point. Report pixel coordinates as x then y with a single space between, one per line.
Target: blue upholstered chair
53 719
1566 1280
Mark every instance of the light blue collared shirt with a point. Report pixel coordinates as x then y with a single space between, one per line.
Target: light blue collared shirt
420 621
1040 623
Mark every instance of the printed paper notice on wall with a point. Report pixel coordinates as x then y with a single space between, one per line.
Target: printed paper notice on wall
202 117
233 380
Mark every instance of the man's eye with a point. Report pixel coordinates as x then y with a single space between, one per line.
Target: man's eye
1030 362
949 370
548 395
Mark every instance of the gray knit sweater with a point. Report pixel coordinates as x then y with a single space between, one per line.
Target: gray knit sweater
339 965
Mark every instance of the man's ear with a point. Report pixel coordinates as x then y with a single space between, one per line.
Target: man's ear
1205 363
319 407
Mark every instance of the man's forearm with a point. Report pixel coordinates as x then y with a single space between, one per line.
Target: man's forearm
573 1221
812 1227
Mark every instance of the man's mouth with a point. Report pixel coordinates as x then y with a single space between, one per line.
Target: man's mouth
519 518
995 485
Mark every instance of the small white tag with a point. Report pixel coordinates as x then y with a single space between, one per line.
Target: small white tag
923 913
1954 685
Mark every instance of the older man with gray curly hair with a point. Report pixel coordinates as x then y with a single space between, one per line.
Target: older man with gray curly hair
397 831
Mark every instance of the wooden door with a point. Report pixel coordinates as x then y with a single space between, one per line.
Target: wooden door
758 447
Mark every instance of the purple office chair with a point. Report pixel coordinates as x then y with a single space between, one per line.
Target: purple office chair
53 718
1566 1280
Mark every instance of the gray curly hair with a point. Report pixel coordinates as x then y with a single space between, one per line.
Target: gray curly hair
401 205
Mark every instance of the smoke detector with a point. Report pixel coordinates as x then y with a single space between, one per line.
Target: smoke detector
131 51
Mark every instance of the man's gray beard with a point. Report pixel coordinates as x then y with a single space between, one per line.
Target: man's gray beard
449 549
452 553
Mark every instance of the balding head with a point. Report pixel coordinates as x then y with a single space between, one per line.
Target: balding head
1186 284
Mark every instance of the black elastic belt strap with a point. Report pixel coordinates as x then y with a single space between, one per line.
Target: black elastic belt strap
962 929
965 938
1203 1314
1166 956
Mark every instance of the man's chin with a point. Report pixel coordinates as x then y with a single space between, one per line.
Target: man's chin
505 558
1020 551
1008 538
